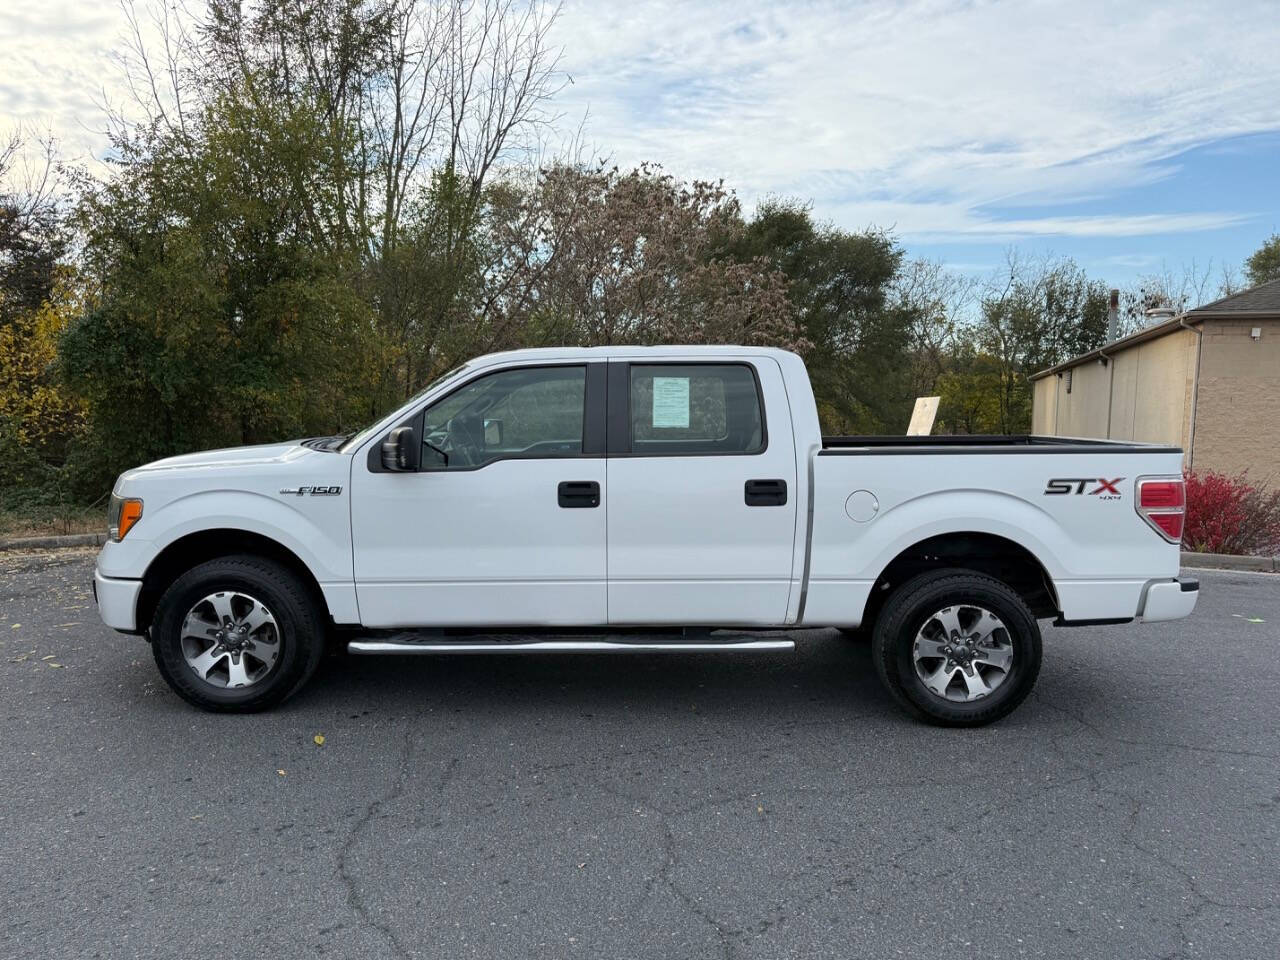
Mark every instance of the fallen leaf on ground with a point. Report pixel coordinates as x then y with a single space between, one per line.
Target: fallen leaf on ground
319 739
49 657
281 772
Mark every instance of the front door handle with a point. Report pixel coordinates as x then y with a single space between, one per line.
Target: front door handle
765 493
578 493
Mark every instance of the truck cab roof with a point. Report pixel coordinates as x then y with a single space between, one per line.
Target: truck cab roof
682 352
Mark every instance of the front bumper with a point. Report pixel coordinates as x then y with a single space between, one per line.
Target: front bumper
117 601
1170 599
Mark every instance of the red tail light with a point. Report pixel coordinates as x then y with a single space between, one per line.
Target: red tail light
1162 502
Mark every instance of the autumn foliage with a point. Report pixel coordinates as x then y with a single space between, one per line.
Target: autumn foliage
1228 514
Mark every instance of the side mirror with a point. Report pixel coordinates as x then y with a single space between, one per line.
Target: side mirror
401 450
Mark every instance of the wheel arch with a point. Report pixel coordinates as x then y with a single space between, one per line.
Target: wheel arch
999 557
195 548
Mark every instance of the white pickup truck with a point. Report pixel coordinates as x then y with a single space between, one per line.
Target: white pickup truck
556 500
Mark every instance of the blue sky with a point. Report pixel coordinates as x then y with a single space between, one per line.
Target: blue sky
1133 136
1239 175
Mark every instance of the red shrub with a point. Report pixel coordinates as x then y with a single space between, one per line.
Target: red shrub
1229 515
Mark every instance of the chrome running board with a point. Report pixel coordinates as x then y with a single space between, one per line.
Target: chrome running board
564 646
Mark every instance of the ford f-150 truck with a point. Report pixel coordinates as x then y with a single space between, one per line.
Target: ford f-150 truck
638 500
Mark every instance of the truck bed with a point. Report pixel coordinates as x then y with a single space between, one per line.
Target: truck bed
1074 516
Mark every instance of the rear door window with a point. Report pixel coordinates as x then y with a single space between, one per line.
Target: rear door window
702 408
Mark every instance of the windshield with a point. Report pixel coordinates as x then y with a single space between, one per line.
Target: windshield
353 440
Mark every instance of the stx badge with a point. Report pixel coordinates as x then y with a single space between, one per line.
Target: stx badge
1105 489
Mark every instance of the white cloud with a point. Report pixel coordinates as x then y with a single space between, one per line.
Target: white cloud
57 62
925 111
924 114
956 221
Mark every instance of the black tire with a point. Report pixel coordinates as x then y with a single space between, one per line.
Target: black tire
909 608
293 606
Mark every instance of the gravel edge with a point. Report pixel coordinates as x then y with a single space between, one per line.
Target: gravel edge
52 543
1222 561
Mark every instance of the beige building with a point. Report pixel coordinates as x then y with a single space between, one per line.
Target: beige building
1207 381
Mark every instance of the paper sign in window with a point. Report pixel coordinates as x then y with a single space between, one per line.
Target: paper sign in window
671 402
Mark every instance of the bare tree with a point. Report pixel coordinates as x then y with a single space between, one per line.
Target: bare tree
596 256
408 86
940 303
1179 290
32 239
1036 312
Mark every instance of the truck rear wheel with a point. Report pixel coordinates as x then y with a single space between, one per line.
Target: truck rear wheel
957 648
237 634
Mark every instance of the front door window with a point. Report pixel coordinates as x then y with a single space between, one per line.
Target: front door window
523 413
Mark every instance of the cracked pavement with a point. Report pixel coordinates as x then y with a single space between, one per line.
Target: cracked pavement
752 806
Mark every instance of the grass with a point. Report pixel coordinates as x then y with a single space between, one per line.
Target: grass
50 520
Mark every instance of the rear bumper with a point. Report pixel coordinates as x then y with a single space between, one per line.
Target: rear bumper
117 601
1170 599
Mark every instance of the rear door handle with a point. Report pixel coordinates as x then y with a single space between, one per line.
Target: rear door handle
765 493
578 493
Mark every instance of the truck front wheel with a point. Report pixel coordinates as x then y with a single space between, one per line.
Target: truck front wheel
237 634
957 648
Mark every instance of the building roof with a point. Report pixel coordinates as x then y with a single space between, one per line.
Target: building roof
1260 301
1110 349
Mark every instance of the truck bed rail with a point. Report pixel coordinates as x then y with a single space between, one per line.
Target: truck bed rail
983 443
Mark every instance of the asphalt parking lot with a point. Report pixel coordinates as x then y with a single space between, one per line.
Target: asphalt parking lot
763 806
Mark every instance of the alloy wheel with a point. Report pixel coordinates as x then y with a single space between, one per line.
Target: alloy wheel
230 639
963 653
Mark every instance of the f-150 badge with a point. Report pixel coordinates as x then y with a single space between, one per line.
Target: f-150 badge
312 491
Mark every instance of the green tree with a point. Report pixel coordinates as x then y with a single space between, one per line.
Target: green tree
33 237
857 338
228 308
39 291
36 411
1044 312
970 392
1264 264
294 236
